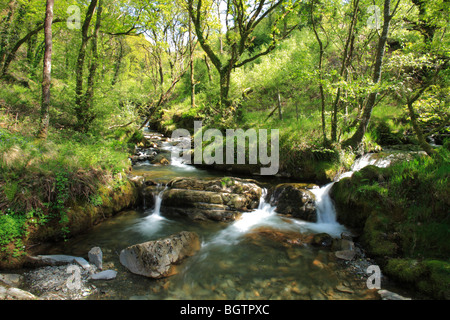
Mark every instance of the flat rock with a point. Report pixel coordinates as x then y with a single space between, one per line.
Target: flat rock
345 254
83 263
388 295
104 275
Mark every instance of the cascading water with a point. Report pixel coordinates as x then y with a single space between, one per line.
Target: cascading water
326 213
154 220
264 215
176 147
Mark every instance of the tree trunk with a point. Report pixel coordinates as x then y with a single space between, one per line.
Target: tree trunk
89 95
280 115
422 141
46 80
208 67
118 64
345 61
358 136
191 62
322 94
224 87
79 98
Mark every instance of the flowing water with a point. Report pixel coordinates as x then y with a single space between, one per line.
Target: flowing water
235 261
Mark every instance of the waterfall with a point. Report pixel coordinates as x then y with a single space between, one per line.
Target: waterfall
154 221
264 215
326 212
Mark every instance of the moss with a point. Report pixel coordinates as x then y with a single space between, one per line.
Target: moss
439 276
376 236
431 277
406 270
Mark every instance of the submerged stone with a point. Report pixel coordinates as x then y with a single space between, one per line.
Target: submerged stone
157 259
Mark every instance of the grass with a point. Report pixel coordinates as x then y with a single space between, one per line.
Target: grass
39 179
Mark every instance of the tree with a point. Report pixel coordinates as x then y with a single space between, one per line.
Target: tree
46 79
241 19
83 114
172 46
355 140
322 48
11 39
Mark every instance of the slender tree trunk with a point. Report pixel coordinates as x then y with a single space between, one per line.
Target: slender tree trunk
208 67
280 115
89 96
191 62
345 62
79 97
358 136
322 94
118 64
224 86
6 28
46 80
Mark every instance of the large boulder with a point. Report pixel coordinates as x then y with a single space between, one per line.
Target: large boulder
210 199
294 199
158 258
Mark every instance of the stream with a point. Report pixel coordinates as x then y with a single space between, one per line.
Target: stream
234 262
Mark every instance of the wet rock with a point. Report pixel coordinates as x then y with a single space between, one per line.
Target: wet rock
12 293
210 199
345 254
104 275
95 256
322 239
344 289
161 160
285 237
51 260
388 295
11 279
346 236
157 259
294 199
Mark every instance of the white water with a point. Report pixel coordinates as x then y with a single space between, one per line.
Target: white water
326 212
265 214
154 221
176 149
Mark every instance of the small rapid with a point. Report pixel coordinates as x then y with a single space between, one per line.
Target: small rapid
326 212
154 221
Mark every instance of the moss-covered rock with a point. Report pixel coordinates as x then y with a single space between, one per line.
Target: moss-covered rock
429 276
294 199
401 214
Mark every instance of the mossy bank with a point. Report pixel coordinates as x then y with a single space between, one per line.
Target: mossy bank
401 216
23 234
